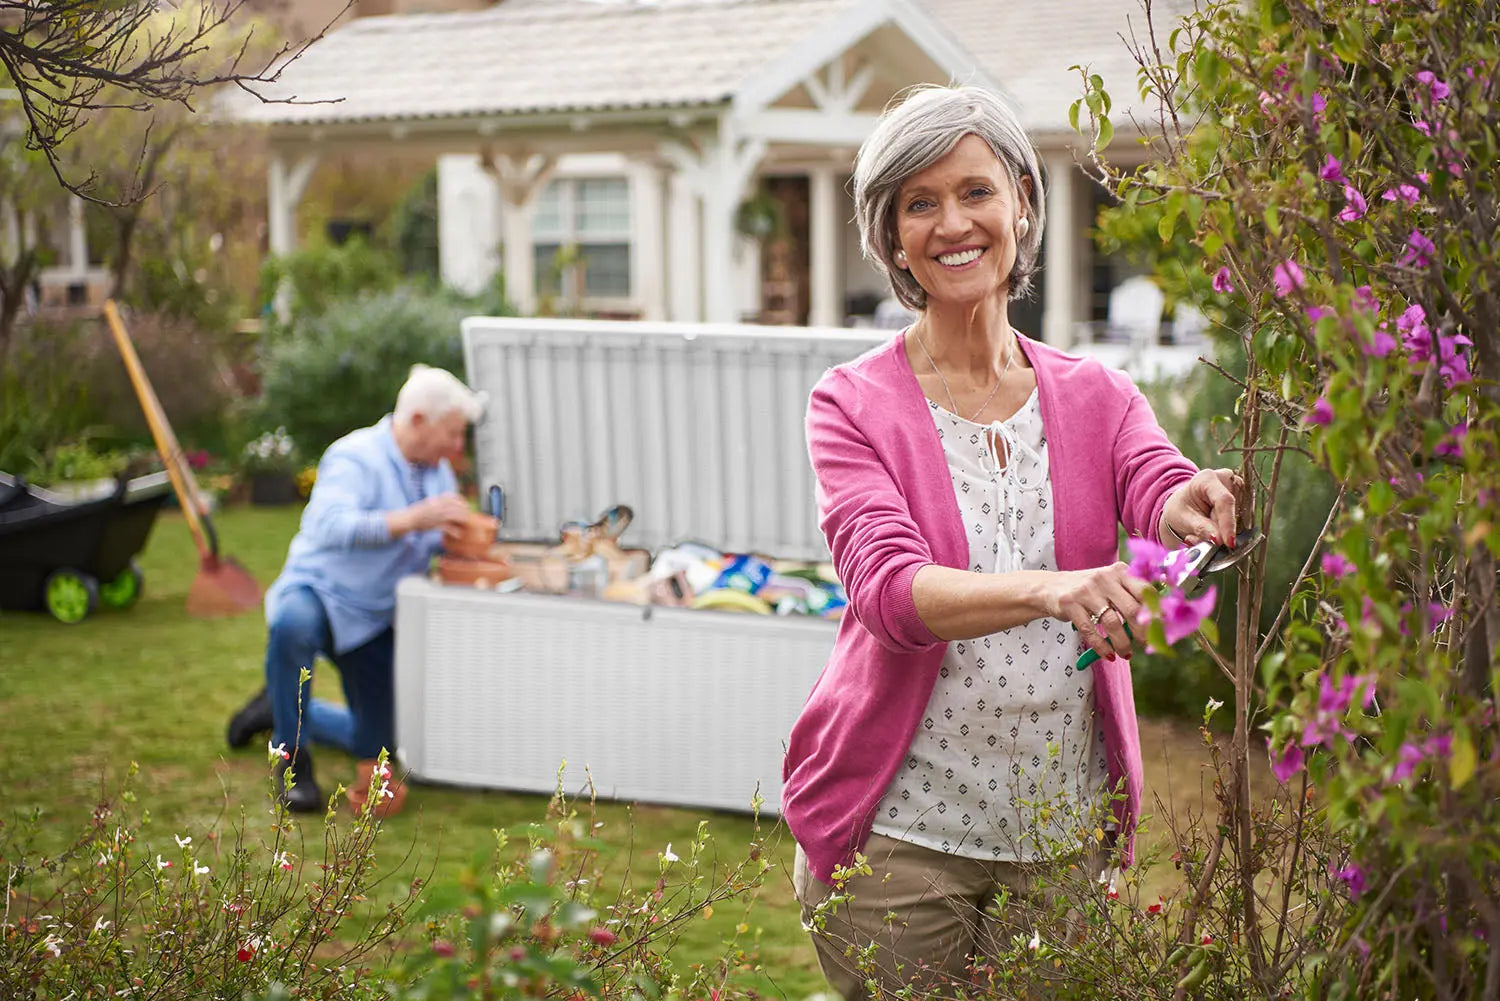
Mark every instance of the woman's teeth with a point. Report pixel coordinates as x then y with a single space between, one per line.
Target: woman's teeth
962 257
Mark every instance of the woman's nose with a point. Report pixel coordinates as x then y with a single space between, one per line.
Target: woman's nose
951 219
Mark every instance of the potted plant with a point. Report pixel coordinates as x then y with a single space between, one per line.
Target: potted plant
270 463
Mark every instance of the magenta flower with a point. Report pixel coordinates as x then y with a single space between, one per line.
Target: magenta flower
1321 412
1380 344
1439 613
1439 745
1422 127
1316 313
1408 193
1353 877
1222 284
1453 364
1364 296
1419 250
1407 759
1287 276
1319 102
1147 559
1452 443
1288 763
1336 566
1435 87
1415 334
1176 567
1181 616
1336 700
1332 170
1354 205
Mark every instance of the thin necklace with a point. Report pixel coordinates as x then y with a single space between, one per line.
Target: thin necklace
1009 357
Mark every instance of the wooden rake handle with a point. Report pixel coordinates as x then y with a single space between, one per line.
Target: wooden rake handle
183 483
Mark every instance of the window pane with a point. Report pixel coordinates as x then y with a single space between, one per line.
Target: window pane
602 207
606 270
547 221
547 280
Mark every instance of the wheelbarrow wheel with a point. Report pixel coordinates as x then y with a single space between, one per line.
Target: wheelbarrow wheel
125 589
70 595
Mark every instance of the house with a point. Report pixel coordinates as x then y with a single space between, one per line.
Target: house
689 159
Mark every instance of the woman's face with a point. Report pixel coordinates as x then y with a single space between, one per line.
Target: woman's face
956 222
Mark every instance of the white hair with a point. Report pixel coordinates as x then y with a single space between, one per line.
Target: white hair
914 135
435 393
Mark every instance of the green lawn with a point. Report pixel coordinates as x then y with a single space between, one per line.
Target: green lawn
151 685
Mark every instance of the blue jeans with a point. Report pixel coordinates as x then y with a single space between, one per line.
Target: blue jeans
300 632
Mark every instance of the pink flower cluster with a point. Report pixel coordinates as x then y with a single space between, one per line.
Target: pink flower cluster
1181 615
1422 344
1334 702
1411 754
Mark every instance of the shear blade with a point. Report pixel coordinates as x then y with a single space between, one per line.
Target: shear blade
1244 544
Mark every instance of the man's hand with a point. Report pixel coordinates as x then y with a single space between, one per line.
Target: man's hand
428 513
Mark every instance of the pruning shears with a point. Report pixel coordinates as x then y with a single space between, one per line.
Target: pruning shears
1194 564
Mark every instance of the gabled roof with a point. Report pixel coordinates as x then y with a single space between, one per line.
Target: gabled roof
518 58
1028 45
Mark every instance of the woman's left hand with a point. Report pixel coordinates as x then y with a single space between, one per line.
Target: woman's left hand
1204 508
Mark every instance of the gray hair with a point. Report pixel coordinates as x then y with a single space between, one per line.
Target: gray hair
915 134
435 393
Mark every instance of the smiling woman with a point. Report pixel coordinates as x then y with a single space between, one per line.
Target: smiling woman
971 484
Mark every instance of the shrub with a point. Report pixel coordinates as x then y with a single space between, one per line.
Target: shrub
315 278
342 368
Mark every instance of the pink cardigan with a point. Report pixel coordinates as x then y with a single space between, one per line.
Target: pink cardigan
887 509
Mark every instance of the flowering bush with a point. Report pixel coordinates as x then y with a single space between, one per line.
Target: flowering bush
1324 184
271 452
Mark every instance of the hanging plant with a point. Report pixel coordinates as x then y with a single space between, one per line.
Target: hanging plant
760 216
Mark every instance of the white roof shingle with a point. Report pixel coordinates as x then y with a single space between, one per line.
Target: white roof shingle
519 58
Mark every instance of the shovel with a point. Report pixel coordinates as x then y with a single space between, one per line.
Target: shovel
222 586
1197 562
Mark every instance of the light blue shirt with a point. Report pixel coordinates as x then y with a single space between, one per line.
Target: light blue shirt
343 550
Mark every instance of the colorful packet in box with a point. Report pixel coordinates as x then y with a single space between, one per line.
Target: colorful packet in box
744 573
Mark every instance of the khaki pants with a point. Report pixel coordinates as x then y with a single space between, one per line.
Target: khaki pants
925 912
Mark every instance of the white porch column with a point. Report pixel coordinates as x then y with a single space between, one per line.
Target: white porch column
1060 266
718 254
684 249
78 240
648 261
519 177
285 185
826 307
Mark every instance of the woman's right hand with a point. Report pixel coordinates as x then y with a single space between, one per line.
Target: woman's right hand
1079 596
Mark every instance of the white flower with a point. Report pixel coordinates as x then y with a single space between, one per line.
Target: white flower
274 751
182 842
100 924
282 860
199 870
53 944
1214 705
669 855
103 859
1036 941
163 863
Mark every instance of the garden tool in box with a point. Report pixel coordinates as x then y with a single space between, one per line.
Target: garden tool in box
222 586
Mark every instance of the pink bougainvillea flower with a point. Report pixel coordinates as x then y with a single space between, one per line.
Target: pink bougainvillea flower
1316 313
1336 566
1222 284
1452 443
1380 344
1288 763
1147 559
1287 276
1181 616
1408 757
1422 127
1332 170
1435 87
1353 877
1439 745
1439 613
1419 250
1364 297
1321 412
1408 193
1453 364
1319 103
1354 205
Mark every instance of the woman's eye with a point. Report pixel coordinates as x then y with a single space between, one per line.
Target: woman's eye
918 205
979 192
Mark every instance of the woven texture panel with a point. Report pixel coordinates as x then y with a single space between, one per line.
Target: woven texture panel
699 428
671 706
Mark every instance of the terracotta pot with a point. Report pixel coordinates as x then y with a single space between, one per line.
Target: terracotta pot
473 572
471 537
359 792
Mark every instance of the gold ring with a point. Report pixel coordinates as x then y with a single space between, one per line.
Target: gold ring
1101 614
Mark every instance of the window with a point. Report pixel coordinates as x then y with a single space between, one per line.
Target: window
592 216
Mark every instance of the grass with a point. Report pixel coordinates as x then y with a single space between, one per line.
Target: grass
151 685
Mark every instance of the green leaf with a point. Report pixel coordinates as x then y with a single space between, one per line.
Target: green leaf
1462 762
1106 132
1073 114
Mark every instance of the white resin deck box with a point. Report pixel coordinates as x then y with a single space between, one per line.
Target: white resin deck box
699 428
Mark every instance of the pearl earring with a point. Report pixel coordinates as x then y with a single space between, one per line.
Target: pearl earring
1023 227
900 258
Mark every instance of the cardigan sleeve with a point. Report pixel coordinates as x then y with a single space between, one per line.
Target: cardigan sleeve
1148 468
876 546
